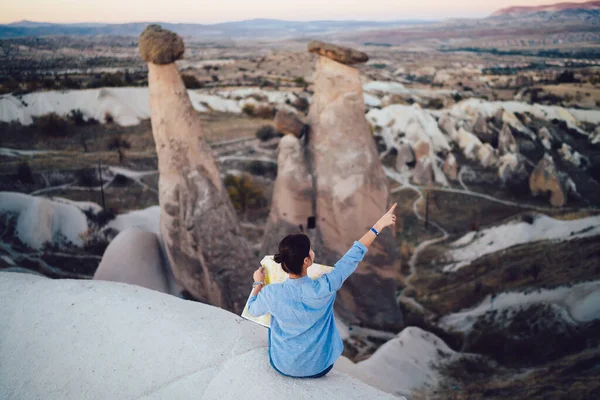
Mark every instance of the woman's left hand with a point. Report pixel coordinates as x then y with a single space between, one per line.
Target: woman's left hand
259 275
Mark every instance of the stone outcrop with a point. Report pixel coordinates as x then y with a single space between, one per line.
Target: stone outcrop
159 46
451 167
135 256
423 173
506 141
292 203
448 125
92 339
340 54
422 150
202 237
334 175
351 191
546 138
487 155
545 178
511 169
289 123
406 156
479 128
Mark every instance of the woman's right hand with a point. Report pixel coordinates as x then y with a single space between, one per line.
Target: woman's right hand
388 219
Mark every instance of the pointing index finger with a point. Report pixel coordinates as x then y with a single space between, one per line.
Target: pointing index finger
393 208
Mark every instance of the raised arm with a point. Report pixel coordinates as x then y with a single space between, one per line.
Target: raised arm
388 219
332 281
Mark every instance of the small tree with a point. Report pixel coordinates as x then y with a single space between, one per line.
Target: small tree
191 82
24 174
77 117
248 109
119 145
51 124
266 132
244 193
108 118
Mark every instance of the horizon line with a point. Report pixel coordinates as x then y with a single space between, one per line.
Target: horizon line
415 19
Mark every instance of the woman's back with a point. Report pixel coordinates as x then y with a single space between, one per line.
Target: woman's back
303 339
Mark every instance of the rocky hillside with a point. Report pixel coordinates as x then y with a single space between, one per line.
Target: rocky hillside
584 8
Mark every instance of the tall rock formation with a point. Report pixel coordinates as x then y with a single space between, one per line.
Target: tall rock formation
291 206
349 190
203 242
545 178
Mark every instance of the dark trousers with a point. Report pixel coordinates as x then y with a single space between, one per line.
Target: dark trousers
319 375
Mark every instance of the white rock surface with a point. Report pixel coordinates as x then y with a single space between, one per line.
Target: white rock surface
579 304
41 221
103 340
147 219
477 244
403 364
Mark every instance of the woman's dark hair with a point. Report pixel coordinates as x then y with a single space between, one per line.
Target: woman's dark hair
293 249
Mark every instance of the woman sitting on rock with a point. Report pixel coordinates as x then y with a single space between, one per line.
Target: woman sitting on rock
303 339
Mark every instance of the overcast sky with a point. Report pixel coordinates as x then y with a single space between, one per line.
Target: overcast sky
210 11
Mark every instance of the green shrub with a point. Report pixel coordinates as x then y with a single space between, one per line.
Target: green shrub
266 132
24 174
248 109
87 177
120 145
436 104
191 82
51 124
244 193
77 117
260 168
300 81
265 112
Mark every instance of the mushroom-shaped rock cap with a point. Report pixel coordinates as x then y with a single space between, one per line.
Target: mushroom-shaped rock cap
340 54
160 46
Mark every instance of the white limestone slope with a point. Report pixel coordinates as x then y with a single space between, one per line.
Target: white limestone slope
577 304
477 244
40 220
104 340
127 105
404 364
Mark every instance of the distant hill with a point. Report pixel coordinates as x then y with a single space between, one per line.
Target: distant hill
551 8
255 29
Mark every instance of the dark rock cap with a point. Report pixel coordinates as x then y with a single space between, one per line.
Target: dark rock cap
340 54
160 46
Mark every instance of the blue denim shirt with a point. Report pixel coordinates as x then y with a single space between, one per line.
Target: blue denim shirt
304 340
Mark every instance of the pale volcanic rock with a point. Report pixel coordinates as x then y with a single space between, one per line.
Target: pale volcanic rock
487 155
340 54
352 191
512 169
546 138
448 125
292 195
479 127
160 46
202 237
451 167
512 120
405 156
135 256
422 149
423 173
506 141
289 123
545 178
